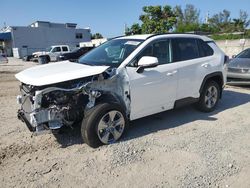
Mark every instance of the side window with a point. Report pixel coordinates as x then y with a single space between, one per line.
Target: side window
204 49
56 49
78 35
160 49
64 48
184 49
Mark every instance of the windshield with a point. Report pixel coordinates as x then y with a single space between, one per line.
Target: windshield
244 54
75 50
48 49
111 53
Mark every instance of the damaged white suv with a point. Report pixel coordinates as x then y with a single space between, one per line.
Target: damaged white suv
124 79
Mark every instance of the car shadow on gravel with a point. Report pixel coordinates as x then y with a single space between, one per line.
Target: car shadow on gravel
68 136
162 121
181 116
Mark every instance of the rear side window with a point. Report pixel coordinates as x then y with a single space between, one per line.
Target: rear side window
64 48
204 49
184 49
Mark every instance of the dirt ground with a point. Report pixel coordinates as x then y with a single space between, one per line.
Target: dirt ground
178 148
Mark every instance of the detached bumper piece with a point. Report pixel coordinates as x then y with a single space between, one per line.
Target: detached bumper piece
21 116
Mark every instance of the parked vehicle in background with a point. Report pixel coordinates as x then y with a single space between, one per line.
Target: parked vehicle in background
238 70
3 58
124 79
52 53
75 54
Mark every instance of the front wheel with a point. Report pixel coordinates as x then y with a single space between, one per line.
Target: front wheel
103 124
209 97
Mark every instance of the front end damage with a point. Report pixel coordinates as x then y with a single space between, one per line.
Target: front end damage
53 106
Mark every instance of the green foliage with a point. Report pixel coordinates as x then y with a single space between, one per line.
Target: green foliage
187 19
134 30
223 23
157 19
97 36
162 19
231 36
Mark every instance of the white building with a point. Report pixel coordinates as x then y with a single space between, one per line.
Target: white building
93 42
24 40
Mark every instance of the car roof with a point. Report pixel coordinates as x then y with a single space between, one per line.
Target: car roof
146 36
142 37
59 46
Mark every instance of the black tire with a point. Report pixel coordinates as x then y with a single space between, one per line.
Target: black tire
202 104
89 127
47 59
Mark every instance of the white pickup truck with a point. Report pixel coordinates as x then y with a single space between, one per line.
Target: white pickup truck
52 52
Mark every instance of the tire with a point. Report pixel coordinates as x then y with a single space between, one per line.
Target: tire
209 97
47 59
96 124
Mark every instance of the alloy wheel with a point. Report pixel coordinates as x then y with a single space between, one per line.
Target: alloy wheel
111 127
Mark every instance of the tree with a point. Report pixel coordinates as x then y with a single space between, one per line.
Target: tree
133 30
157 19
242 22
221 21
191 14
187 19
97 36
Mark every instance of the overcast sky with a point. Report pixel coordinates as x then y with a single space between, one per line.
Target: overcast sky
105 16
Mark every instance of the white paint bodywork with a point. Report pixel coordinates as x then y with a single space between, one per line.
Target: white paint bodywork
57 72
152 91
156 89
53 55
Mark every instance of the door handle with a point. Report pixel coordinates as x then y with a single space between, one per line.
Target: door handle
171 73
205 65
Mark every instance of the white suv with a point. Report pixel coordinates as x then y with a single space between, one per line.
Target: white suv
122 80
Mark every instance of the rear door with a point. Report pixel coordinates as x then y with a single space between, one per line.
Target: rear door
65 49
193 63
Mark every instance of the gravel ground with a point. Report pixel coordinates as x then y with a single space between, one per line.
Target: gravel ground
178 148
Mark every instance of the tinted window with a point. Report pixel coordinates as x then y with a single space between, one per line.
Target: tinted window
244 54
184 49
204 49
64 48
79 35
160 49
56 49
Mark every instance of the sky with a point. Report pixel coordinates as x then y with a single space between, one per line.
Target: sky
107 17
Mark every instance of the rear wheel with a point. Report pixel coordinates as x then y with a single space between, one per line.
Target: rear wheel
104 124
209 97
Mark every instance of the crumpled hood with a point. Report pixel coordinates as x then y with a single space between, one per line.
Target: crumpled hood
57 72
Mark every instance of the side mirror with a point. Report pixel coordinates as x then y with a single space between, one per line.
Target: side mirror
147 62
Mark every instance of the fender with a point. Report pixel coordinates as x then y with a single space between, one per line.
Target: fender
216 76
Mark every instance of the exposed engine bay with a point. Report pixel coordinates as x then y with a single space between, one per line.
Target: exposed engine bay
50 107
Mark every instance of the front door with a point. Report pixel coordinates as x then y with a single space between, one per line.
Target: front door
153 90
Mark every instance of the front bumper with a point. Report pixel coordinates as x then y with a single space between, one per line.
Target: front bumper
21 116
